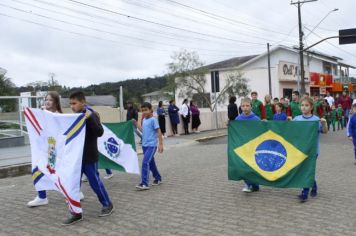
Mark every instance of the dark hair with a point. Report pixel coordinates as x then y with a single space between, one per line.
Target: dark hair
146 105
232 100
280 105
191 103
353 105
276 99
171 101
55 96
296 93
160 104
79 95
184 101
254 92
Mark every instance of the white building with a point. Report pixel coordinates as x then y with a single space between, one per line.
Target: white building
322 73
157 96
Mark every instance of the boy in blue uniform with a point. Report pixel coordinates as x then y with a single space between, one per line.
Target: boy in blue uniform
247 114
150 133
351 128
306 107
93 130
280 114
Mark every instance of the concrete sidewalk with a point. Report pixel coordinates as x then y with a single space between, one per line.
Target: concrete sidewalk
16 161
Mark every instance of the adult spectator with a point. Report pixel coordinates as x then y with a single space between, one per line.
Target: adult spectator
195 116
345 102
232 111
330 99
173 116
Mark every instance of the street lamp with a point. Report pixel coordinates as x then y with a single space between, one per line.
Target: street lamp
335 9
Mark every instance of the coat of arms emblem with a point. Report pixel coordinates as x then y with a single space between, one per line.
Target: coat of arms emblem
51 155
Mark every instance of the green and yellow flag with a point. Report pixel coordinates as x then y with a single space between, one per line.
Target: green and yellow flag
273 153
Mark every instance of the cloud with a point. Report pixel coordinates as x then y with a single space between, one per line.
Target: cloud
131 49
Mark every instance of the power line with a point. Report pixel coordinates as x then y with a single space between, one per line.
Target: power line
149 31
146 5
225 18
161 34
341 49
99 30
103 39
162 25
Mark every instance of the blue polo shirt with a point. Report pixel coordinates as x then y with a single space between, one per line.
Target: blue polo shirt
252 116
149 132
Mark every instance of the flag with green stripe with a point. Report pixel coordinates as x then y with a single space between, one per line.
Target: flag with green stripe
117 148
273 153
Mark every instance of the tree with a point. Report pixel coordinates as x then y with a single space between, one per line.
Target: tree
236 85
7 88
187 74
190 78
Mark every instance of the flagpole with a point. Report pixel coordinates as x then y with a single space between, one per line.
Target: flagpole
121 104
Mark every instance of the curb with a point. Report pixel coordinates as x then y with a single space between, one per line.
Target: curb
15 170
208 138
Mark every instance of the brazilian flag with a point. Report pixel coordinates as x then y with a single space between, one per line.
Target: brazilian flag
273 153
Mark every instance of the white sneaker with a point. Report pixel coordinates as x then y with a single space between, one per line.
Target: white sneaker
142 187
109 176
247 189
84 178
37 202
81 196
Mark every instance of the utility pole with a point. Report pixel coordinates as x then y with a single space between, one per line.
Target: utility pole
269 71
301 51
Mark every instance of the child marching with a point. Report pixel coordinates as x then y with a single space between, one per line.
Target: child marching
351 128
150 134
247 114
306 107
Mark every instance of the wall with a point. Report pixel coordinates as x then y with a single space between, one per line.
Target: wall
111 115
257 73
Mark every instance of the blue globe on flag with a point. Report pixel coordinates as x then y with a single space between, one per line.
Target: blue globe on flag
112 147
270 155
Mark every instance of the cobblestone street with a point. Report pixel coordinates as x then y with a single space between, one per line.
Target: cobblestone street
197 199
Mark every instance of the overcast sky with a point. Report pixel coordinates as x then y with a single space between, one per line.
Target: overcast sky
98 42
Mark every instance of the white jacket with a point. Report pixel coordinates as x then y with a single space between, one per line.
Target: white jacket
184 110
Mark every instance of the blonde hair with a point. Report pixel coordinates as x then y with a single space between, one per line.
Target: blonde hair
308 100
246 100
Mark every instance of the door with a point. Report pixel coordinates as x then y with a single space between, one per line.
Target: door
287 93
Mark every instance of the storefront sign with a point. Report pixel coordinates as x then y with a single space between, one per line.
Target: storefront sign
322 90
288 71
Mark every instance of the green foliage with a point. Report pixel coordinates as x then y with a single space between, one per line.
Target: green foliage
187 73
189 76
7 88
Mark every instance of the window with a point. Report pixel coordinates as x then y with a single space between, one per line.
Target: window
215 81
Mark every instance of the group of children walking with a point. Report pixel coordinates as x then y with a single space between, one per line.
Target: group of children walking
151 142
300 110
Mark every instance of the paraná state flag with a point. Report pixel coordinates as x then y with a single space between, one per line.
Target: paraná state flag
273 153
57 142
117 148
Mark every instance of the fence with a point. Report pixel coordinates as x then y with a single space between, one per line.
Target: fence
12 122
13 129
